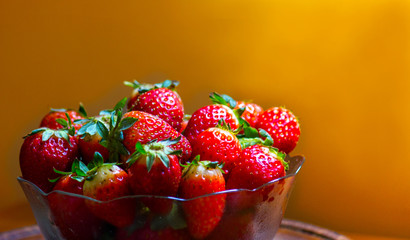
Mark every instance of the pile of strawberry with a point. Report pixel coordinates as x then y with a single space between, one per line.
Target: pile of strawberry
148 146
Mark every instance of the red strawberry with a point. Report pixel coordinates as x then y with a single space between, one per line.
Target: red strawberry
184 122
209 116
108 182
282 125
256 166
70 213
161 101
155 171
89 138
138 87
50 120
251 113
202 214
218 144
44 150
149 127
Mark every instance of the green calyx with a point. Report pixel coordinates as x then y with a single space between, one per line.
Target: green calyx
65 132
207 164
145 87
110 127
153 150
223 99
80 171
281 156
252 136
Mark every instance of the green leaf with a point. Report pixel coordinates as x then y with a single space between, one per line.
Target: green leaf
98 159
62 122
217 99
251 132
81 121
70 123
164 158
78 178
47 134
84 128
79 168
104 143
61 172
268 138
71 131
134 84
139 148
105 112
82 111
121 104
64 135
58 110
150 161
35 131
238 112
232 103
102 130
127 123
54 180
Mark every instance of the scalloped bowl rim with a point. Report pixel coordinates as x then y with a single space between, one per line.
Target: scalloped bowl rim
294 173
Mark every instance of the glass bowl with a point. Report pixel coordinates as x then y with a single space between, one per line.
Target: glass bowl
248 214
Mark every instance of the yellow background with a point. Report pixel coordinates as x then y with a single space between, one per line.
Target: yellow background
341 66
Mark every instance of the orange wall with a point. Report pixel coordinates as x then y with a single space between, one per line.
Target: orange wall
341 66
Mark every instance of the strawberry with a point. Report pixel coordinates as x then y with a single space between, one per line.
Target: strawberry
161 101
103 134
202 214
105 182
45 149
50 119
251 113
210 115
282 125
218 144
70 213
89 139
155 171
149 127
255 166
184 122
138 87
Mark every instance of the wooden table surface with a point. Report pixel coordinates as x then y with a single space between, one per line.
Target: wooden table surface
20 216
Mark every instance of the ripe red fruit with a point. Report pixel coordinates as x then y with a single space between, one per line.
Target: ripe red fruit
256 166
149 127
207 117
50 119
70 214
161 101
202 214
90 144
217 144
44 150
251 113
282 125
89 138
155 171
107 183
